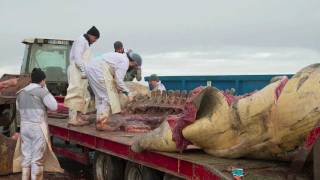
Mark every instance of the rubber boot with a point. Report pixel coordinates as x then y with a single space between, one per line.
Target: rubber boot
103 125
26 174
76 119
37 173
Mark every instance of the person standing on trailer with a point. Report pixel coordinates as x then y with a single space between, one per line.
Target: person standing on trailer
32 104
78 96
132 72
118 47
106 75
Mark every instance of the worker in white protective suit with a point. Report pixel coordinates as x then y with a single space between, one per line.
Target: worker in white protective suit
106 79
32 104
132 72
78 96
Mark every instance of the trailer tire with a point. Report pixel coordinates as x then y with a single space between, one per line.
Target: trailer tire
135 171
106 167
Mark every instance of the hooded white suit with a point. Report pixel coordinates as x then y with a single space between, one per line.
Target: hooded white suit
32 104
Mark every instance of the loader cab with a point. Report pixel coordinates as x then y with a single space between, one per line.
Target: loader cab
52 56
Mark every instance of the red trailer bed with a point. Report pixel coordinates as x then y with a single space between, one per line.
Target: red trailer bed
192 164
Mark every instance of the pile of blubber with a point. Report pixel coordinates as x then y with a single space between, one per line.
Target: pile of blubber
268 124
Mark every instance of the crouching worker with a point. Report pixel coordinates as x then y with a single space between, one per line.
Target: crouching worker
32 104
155 83
105 75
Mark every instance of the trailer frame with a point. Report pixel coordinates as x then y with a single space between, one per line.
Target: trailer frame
166 162
153 160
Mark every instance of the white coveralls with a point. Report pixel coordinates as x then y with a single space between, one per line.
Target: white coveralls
78 96
106 78
32 104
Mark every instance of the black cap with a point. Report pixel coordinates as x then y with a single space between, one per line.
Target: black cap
117 45
37 75
94 32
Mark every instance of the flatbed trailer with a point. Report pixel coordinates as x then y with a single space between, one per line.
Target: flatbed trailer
114 158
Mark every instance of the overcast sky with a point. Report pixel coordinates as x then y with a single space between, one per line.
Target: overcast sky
175 37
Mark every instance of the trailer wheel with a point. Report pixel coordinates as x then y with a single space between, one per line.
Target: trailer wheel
107 167
138 172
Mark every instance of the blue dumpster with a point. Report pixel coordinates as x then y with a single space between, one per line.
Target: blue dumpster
241 83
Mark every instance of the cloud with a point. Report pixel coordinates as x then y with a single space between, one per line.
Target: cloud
9 69
175 37
223 61
230 61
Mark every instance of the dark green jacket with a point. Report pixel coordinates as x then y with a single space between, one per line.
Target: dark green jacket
133 73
